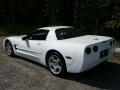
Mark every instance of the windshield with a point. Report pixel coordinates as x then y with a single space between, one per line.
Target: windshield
66 33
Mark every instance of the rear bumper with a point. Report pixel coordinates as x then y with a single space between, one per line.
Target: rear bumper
93 64
84 61
81 63
89 63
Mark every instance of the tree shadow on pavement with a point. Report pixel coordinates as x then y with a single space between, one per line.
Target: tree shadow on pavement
105 76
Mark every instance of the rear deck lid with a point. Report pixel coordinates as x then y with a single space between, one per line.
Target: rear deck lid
88 39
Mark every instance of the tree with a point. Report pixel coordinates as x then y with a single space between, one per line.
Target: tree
52 11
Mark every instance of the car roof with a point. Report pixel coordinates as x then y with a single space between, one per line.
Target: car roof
54 27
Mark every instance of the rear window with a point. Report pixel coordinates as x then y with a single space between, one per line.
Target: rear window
66 33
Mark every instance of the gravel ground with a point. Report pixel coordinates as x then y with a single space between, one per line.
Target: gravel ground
22 74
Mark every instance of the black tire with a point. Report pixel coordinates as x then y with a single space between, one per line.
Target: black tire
9 49
59 64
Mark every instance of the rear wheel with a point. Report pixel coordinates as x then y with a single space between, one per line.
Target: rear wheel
56 64
9 48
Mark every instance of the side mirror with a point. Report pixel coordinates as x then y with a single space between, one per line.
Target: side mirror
24 38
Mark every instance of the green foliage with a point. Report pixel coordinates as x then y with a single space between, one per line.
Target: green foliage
114 23
52 10
90 16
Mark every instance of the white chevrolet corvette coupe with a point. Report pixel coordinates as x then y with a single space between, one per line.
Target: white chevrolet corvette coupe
61 48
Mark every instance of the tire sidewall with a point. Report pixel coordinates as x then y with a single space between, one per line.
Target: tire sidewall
63 71
12 53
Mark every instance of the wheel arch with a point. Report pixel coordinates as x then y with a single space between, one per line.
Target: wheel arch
53 50
5 41
4 45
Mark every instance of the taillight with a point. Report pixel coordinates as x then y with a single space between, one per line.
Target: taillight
95 48
111 43
88 50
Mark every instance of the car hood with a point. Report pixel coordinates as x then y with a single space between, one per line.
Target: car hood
15 37
19 36
88 39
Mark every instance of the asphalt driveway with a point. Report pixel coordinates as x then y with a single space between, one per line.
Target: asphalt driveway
22 74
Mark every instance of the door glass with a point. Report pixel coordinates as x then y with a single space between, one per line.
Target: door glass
39 35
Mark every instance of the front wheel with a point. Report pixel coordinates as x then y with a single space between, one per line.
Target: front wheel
9 48
56 64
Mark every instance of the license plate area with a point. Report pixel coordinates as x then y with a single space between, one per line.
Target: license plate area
104 53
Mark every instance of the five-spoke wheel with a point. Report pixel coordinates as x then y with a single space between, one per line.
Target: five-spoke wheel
56 64
9 48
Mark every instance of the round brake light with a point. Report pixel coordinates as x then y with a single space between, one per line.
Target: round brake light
95 48
111 43
88 50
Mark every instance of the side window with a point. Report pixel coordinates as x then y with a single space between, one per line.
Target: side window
39 35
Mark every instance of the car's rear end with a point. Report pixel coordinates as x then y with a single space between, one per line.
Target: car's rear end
86 51
91 51
97 52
